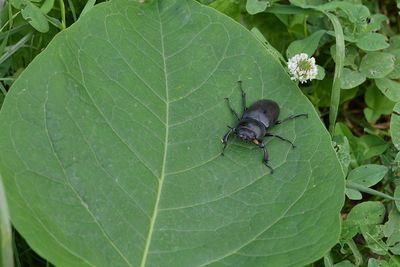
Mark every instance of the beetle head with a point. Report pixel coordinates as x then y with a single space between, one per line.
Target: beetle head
246 134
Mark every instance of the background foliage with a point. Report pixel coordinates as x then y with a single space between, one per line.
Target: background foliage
365 72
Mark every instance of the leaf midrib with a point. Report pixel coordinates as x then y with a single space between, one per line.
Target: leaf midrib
162 175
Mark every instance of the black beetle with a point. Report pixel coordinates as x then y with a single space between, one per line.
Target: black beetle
255 122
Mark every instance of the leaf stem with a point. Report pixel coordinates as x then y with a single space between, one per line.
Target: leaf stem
369 191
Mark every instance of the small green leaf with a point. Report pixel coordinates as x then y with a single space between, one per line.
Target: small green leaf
391 228
377 263
372 42
373 235
395 74
230 8
397 195
371 115
367 213
377 64
35 17
18 4
353 194
395 126
394 43
375 23
307 45
356 13
370 146
390 88
307 3
364 214
395 249
321 73
257 6
289 10
344 264
377 103
342 129
367 175
351 79
47 6
351 54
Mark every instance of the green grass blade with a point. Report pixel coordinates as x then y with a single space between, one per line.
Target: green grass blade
14 48
340 50
13 31
6 258
88 6
72 7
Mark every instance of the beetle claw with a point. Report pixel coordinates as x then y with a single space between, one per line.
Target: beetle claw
269 167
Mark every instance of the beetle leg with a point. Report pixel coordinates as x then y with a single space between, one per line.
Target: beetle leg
266 156
224 139
291 117
280 137
232 110
243 96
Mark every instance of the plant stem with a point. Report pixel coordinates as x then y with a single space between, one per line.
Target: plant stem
369 191
6 253
357 255
62 9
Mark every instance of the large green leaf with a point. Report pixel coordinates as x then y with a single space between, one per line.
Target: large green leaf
110 147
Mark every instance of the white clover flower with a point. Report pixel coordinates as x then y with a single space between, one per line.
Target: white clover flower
302 68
